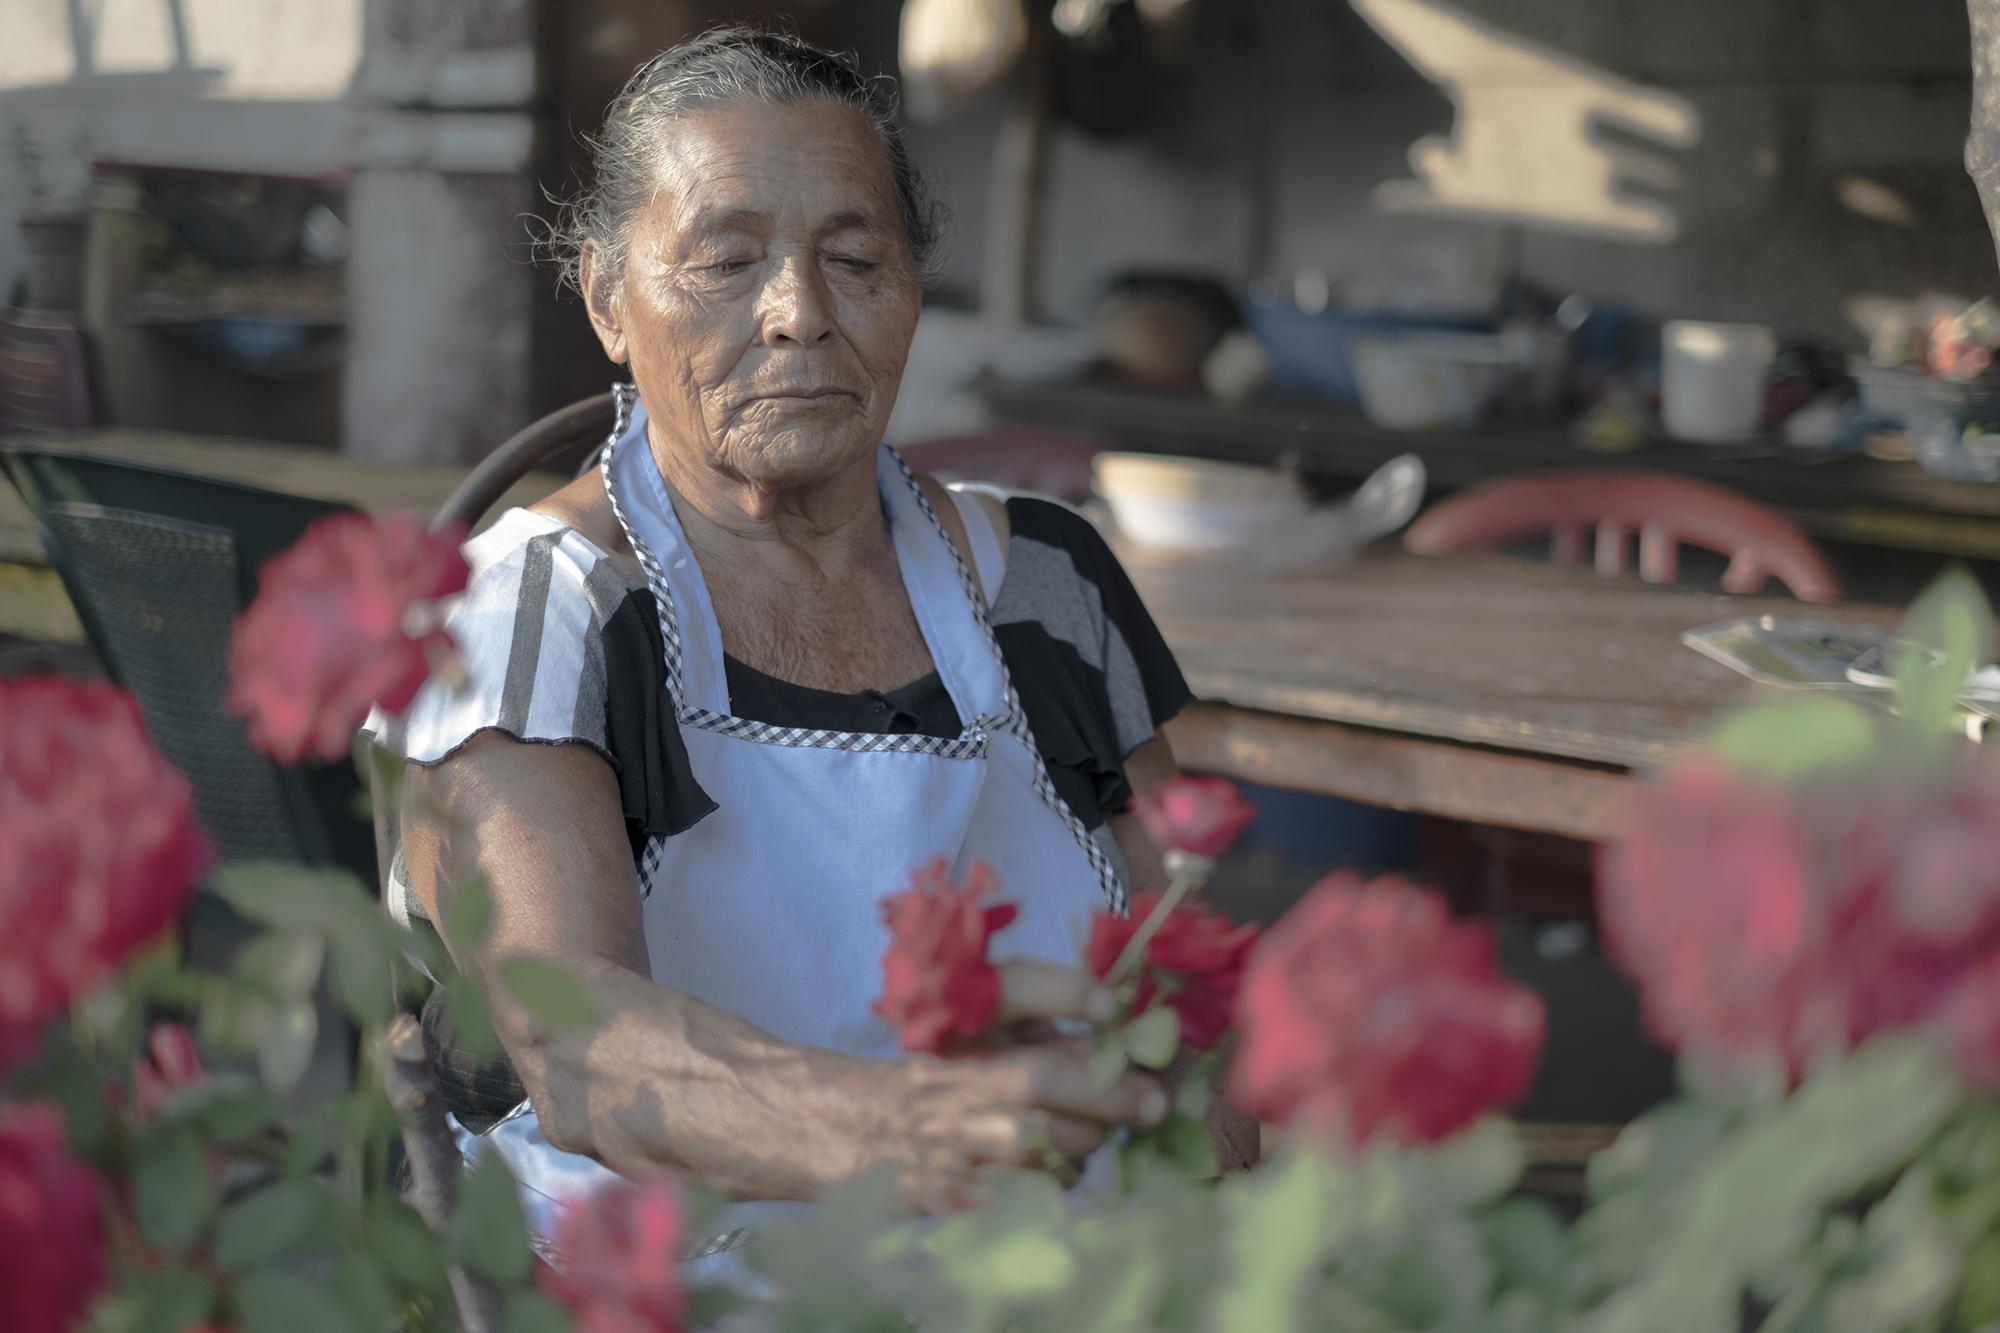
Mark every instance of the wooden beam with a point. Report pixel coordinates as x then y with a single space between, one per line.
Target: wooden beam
1480 786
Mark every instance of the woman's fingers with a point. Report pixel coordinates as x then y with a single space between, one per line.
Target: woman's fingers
1058 1078
1030 1137
1037 990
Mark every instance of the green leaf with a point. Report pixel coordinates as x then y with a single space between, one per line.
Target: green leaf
553 996
1798 738
1527 1241
381 772
173 1194
230 1108
488 1233
1948 632
269 1301
233 1017
287 896
1276 1228
468 917
1179 1145
1758 1196
286 1051
277 1220
285 964
1153 1037
470 1017
363 1287
706 1307
363 974
1108 1062
410 1251
1915 1261
162 1300
528 1311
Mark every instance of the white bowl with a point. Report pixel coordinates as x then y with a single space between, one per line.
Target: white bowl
1195 504
1431 381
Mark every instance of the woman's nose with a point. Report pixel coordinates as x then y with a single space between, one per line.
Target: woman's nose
796 308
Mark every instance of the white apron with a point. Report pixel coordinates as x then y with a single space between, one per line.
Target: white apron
769 907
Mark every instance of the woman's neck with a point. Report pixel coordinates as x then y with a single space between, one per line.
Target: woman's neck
818 533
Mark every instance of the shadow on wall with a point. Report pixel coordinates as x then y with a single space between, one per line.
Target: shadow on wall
1533 139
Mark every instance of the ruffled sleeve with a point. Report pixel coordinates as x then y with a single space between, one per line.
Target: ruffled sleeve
1095 677
558 644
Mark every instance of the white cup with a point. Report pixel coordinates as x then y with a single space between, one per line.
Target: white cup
1712 379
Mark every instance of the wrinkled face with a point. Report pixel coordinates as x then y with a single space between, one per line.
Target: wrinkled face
769 294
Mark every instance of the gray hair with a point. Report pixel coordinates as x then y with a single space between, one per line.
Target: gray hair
720 67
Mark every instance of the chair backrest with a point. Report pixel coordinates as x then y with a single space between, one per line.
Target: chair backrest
1664 511
159 564
577 428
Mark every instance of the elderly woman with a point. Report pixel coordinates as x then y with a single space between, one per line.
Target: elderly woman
728 690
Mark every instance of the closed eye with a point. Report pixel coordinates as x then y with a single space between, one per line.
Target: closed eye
729 267
855 262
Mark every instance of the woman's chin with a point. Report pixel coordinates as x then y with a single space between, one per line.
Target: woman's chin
802 456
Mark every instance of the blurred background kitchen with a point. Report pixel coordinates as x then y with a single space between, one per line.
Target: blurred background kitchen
293 243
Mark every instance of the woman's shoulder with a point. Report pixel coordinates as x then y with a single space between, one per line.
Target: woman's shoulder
1053 550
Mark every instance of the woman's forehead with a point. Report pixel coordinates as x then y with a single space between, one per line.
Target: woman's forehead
743 167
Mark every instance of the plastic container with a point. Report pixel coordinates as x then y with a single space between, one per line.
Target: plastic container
1310 352
1712 379
1432 381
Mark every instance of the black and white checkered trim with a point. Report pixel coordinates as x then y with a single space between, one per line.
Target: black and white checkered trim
970 743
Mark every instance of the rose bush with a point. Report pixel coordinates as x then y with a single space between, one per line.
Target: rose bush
51 1232
98 845
344 621
1198 954
1368 1011
1812 912
938 984
618 1252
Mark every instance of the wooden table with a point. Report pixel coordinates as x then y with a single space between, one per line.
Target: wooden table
1484 689
32 602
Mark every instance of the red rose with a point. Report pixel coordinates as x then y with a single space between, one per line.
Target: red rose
98 845
1768 925
618 1253
343 621
172 1062
1202 951
1368 1012
937 983
1199 816
51 1226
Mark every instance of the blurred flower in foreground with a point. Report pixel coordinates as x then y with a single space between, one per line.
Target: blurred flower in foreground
619 1250
937 982
98 845
1770 924
347 619
1367 1012
51 1226
1198 952
1199 816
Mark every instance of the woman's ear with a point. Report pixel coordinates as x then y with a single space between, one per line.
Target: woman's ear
600 298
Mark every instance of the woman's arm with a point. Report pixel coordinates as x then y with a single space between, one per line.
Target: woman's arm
666 1080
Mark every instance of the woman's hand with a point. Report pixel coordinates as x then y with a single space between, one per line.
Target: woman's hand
1009 1103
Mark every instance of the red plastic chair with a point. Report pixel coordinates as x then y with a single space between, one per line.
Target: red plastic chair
1051 462
1665 511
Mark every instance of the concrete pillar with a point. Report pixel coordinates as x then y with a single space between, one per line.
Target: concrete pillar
439 289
